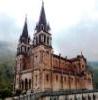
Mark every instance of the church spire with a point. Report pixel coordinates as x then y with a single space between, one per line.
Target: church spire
24 37
44 38
25 29
42 24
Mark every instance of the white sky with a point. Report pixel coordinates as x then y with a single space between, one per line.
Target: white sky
73 23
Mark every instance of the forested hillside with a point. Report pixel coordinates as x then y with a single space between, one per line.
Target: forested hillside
7 63
6 79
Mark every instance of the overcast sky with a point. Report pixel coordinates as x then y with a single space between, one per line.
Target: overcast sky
74 24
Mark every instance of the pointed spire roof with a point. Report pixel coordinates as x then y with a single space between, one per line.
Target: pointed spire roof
25 29
24 37
42 24
42 19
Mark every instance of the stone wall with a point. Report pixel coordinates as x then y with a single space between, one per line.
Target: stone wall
60 95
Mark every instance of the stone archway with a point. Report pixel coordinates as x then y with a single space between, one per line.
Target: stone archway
29 84
26 84
89 97
22 84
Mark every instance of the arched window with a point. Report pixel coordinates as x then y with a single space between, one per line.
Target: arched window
44 38
29 83
50 41
83 98
23 49
89 97
75 98
94 97
28 48
24 64
20 49
26 84
39 38
42 27
47 77
35 80
47 40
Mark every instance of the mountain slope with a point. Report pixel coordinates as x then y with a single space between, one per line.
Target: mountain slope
93 64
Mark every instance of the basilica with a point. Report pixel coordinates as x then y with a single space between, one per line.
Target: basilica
38 68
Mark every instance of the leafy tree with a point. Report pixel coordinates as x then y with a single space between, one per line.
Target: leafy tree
6 80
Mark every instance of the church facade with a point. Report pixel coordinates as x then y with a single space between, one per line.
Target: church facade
39 69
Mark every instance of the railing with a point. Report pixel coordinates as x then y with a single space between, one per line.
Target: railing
76 94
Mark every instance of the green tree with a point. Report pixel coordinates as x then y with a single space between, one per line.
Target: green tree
6 80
